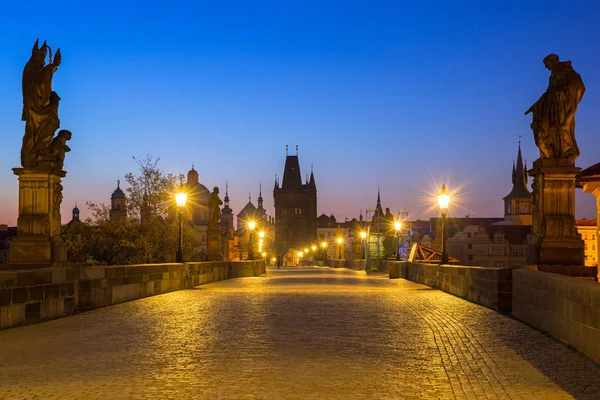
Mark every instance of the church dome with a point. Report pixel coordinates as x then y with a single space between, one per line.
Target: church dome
118 193
192 176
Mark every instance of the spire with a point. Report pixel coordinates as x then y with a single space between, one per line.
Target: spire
378 209
249 197
286 150
226 199
276 185
360 218
311 181
519 177
260 198
296 150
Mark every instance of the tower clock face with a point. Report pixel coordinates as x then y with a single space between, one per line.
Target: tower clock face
524 208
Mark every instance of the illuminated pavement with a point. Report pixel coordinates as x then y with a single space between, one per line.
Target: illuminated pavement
311 333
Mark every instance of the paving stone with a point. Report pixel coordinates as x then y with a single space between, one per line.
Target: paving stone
311 333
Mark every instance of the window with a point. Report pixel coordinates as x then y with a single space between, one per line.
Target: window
593 237
469 235
515 251
470 246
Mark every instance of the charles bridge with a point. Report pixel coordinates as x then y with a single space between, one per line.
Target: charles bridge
295 332
231 329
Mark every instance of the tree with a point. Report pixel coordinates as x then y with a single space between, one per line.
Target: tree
147 235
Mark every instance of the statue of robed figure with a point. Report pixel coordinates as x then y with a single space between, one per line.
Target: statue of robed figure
40 112
214 208
553 122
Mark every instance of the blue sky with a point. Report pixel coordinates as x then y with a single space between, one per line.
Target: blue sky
401 95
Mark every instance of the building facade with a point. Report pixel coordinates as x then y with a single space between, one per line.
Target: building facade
588 229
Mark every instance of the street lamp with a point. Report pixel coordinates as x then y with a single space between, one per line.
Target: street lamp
180 199
251 226
340 240
324 247
397 227
363 235
443 200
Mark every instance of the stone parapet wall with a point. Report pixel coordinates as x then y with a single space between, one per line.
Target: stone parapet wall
567 308
103 286
490 287
29 296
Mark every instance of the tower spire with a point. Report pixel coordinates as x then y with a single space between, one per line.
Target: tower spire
260 198
226 199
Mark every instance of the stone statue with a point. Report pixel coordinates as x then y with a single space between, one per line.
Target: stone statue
214 209
553 122
40 111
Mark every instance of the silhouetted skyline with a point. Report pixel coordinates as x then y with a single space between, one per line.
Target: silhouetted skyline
402 96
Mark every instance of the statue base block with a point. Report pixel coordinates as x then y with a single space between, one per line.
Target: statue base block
27 252
214 236
555 238
38 242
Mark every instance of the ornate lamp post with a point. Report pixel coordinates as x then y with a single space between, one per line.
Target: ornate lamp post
180 199
363 235
340 240
443 200
324 247
397 227
251 226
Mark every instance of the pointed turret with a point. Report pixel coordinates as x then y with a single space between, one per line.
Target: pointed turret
311 181
519 178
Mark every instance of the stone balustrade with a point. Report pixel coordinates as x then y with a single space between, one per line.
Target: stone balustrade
567 308
358 265
490 287
29 296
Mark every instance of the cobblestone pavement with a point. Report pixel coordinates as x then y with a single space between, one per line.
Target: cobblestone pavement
314 333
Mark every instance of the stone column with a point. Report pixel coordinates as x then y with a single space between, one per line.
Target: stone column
38 243
556 243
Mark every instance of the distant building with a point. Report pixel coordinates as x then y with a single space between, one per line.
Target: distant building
492 242
491 245
264 223
118 204
295 208
6 235
588 229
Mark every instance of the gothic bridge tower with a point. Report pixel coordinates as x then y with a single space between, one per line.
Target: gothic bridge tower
295 208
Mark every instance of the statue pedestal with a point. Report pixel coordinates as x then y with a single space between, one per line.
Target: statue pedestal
213 236
555 239
38 243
